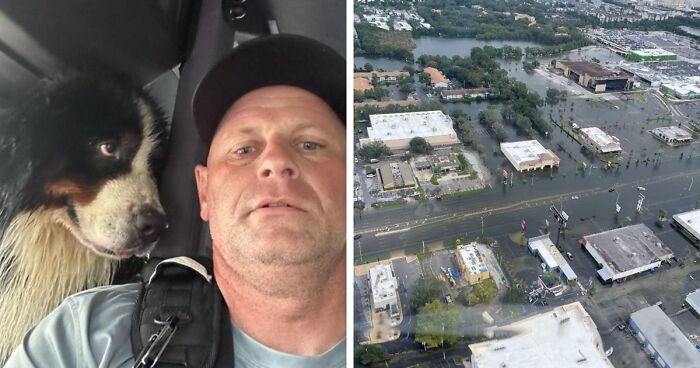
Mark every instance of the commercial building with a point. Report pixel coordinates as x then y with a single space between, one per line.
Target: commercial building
444 162
688 223
529 155
626 251
384 287
600 141
396 175
663 72
594 76
397 130
550 255
672 134
458 94
651 55
681 90
693 300
563 337
437 79
662 339
472 264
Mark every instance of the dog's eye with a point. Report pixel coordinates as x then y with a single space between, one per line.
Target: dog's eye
107 148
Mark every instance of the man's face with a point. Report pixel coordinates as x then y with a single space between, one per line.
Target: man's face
273 189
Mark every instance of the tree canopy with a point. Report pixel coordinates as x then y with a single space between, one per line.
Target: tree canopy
426 290
419 145
437 325
374 149
368 354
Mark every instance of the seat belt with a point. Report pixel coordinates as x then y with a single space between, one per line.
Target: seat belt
180 319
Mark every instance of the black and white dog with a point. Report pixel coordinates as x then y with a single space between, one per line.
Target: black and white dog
78 160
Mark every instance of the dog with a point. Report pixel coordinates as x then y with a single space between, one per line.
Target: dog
79 155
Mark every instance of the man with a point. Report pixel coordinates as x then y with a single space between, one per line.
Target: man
273 192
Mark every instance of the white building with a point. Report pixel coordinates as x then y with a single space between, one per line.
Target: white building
601 141
662 339
672 134
550 255
563 337
693 300
626 251
397 130
384 289
529 155
688 223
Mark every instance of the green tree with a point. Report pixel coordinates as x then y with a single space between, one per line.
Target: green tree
407 87
374 149
437 325
426 290
662 213
368 354
424 77
368 67
418 145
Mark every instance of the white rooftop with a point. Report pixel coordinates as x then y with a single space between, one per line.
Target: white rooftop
382 282
470 256
563 337
524 150
605 142
653 52
693 300
549 253
673 346
682 88
673 132
409 125
690 221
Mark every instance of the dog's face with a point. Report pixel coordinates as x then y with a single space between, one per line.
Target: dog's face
97 144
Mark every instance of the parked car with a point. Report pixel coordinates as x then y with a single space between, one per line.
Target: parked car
371 175
357 236
569 256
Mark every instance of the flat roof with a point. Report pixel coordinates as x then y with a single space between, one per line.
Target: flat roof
523 151
628 247
652 52
672 132
604 141
690 221
472 259
693 300
666 338
593 69
563 337
682 88
549 253
408 125
382 282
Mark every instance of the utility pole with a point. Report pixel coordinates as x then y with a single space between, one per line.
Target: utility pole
691 183
482 225
359 246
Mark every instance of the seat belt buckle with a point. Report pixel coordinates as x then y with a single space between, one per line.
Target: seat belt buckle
157 343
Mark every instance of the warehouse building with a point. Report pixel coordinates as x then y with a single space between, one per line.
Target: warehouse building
529 155
563 337
651 55
396 175
665 343
693 300
397 130
543 247
600 141
672 134
592 75
688 223
472 264
681 90
626 251
384 287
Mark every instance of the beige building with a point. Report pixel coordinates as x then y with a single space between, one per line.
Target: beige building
601 141
396 175
390 76
529 155
472 263
397 130
594 76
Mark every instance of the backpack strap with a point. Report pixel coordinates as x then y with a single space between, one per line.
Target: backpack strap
180 319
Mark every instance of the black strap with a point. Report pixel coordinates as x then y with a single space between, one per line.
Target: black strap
180 319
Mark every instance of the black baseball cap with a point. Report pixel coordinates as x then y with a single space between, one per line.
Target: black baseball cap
281 59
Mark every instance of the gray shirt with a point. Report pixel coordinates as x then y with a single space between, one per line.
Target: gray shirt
92 329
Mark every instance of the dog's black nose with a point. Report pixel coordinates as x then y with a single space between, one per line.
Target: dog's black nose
150 224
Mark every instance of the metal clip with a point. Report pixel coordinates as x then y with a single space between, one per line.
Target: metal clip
156 345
